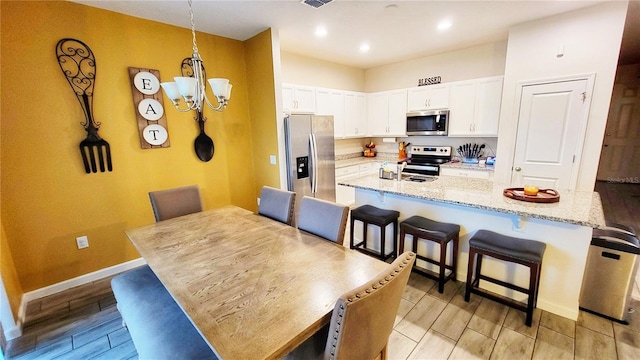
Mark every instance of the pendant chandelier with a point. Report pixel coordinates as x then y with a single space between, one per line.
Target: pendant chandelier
191 86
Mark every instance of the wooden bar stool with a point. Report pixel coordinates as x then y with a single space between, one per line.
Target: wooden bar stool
520 251
369 214
438 232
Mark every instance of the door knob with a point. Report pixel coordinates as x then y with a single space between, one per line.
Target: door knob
518 168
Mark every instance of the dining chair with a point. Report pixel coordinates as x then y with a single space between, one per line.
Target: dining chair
175 202
277 204
362 318
323 218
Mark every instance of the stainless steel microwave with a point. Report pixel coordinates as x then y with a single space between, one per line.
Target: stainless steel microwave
428 122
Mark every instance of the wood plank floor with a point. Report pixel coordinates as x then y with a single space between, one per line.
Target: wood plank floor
83 322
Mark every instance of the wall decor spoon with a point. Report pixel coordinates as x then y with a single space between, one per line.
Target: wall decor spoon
78 65
203 144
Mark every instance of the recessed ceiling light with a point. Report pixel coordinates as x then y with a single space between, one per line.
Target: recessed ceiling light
321 31
444 25
364 47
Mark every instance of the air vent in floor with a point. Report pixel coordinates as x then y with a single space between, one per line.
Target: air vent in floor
315 3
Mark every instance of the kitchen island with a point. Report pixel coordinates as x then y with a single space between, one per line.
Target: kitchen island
565 226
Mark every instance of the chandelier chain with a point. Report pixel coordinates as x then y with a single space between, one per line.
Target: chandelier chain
193 28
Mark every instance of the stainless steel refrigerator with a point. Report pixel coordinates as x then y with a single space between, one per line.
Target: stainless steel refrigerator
311 169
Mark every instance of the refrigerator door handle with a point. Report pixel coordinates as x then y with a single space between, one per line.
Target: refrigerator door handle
314 163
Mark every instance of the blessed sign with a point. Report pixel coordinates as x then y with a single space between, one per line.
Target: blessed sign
429 81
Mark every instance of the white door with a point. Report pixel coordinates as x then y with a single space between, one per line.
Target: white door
551 126
620 157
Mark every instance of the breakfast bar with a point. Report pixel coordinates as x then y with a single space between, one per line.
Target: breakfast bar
565 226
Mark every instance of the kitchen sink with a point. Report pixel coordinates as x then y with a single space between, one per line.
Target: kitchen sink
418 178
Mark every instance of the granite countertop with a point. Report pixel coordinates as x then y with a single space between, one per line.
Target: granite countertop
465 166
364 160
575 207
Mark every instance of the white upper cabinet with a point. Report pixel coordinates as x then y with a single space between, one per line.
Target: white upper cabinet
331 102
463 94
387 113
299 98
475 107
355 114
428 97
487 106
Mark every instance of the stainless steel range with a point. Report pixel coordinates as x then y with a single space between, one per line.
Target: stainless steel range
426 160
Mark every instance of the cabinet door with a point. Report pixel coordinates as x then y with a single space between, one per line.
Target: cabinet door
305 98
417 98
461 108
345 194
288 98
378 114
398 113
428 97
487 106
297 98
438 96
355 114
331 102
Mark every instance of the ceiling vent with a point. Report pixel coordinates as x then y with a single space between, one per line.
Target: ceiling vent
315 3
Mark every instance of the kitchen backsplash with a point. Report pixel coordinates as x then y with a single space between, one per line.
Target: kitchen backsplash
352 148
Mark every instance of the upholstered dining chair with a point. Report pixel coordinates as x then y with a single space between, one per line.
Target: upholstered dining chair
362 318
277 204
175 202
323 218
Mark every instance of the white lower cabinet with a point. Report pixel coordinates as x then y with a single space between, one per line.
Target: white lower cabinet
346 194
470 173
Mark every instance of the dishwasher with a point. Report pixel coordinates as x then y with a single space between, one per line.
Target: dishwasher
612 263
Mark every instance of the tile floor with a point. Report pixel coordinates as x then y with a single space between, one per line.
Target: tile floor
430 325
83 323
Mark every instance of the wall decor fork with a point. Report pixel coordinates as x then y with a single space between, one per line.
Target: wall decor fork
78 65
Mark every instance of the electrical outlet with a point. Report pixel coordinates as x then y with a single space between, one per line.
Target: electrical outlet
83 242
272 159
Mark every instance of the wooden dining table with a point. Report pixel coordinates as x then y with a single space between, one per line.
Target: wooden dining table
254 288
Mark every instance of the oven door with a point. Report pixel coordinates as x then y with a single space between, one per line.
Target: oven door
422 169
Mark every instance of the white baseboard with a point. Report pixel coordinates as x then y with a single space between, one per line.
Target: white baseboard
68 284
13 332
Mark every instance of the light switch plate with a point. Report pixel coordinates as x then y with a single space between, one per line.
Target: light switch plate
272 159
83 242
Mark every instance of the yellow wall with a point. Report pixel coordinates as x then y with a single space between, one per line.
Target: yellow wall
263 111
47 198
9 274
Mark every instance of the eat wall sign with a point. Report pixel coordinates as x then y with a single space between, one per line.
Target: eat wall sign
147 102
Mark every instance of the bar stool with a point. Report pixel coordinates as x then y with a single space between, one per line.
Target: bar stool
520 251
369 214
438 232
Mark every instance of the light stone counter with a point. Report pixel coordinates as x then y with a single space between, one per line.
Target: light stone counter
474 204
461 165
575 207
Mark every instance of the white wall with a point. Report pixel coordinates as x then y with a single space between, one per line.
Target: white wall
464 64
591 38
298 69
